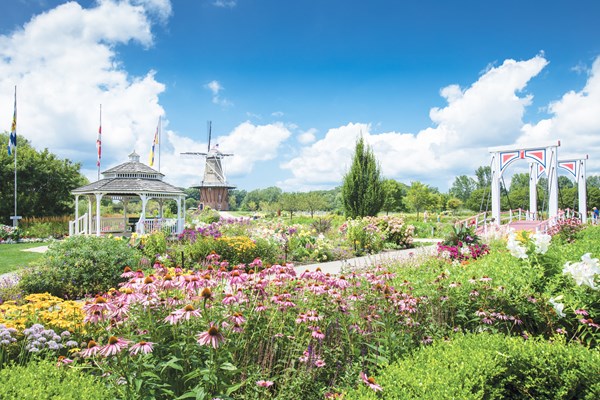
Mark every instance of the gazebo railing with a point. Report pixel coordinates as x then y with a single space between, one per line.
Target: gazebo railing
79 226
167 225
109 224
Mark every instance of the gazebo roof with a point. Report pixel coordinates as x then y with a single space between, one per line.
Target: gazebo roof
131 177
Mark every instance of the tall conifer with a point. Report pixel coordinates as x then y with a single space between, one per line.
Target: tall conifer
362 190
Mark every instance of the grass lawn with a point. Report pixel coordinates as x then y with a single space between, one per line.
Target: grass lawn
12 256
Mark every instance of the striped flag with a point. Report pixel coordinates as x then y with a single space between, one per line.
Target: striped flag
154 143
99 144
12 141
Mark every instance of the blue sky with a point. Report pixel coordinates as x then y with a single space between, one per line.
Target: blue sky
289 86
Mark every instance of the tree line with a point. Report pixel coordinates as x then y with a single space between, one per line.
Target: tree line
45 183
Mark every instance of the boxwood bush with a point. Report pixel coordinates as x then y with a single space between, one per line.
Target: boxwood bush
80 265
45 380
487 366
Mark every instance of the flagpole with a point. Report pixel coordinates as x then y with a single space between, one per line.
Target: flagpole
159 140
14 130
99 142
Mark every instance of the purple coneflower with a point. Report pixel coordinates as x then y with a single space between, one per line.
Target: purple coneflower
141 347
114 346
188 311
263 383
370 381
211 337
91 350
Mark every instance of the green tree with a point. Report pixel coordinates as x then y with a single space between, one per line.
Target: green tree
362 192
484 177
462 187
393 192
44 182
453 204
418 197
290 202
261 196
312 202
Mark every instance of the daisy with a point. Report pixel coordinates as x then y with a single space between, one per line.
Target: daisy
370 381
211 337
141 347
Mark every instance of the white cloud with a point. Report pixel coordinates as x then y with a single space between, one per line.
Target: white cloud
248 143
488 113
575 121
307 137
277 114
64 65
225 3
215 87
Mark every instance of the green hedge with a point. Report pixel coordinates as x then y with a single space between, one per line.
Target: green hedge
486 366
80 265
44 380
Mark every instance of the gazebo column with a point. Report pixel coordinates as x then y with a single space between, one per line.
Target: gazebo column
89 218
142 220
179 224
125 201
98 198
76 214
160 208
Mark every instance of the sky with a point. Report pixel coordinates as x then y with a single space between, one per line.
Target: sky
289 86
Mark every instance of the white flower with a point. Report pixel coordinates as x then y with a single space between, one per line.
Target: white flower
516 250
582 273
592 263
465 251
558 307
541 242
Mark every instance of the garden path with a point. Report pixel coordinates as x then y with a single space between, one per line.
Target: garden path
335 267
332 267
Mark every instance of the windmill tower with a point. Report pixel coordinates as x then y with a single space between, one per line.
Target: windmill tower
214 189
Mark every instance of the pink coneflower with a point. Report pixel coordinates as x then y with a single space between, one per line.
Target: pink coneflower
114 346
62 360
128 273
317 334
229 299
212 337
260 307
188 311
263 383
237 318
319 363
173 318
91 350
581 312
370 381
141 347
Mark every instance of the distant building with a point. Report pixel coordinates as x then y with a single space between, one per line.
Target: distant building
214 189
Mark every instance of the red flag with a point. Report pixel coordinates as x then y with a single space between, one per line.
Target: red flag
99 145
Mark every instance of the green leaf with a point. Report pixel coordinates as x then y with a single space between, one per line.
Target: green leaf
234 388
228 367
172 363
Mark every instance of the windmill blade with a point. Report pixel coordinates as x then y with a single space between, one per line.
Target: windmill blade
192 154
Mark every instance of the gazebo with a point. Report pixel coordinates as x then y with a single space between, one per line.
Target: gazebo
125 182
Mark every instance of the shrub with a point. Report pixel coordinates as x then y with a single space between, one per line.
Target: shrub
491 367
566 230
9 233
45 380
80 265
153 245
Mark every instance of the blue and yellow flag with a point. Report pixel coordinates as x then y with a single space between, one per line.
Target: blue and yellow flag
12 141
154 143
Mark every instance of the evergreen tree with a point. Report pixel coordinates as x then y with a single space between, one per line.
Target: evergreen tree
362 191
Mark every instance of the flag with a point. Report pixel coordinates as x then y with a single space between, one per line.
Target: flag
154 143
99 145
12 141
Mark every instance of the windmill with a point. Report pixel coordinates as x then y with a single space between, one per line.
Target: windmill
214 189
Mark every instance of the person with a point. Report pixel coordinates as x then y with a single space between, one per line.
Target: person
425 216
595 215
